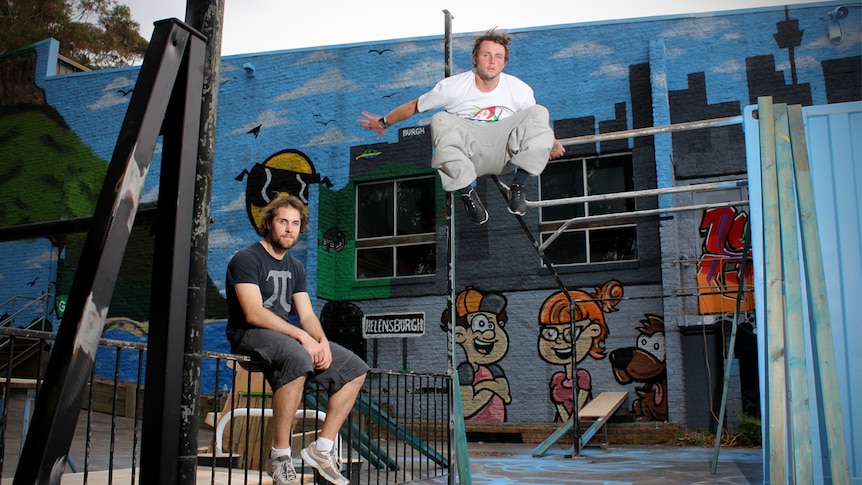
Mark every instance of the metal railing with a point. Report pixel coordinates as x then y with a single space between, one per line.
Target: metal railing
397 433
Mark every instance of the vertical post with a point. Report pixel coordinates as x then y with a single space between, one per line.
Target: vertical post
826 380
797 395
205 16
774 335
160 441
71 363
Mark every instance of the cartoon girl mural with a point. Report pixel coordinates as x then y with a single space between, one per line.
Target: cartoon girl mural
480 319
556 338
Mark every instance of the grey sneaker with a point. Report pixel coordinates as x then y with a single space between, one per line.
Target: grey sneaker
474 207
517 200
281 470
326 464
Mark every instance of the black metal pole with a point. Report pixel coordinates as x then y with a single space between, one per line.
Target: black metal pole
160 440
206 16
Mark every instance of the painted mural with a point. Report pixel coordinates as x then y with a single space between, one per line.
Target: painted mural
286 123
480 331
644 364
557 343
719 269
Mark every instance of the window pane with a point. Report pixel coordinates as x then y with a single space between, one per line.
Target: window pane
416 259
615 244
561 180
608 176
375 217
416 206
374 263
569 248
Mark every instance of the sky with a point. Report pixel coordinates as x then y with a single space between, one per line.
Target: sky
252 26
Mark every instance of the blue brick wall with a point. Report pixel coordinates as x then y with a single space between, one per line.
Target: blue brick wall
593 77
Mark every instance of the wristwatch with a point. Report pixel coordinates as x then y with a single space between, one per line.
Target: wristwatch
383 122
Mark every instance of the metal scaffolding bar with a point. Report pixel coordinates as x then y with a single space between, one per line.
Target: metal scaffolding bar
589 220
653 130
730 184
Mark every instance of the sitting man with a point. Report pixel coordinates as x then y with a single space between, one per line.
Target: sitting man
512 133
265 285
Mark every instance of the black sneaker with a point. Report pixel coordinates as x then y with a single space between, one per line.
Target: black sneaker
517 200
473 205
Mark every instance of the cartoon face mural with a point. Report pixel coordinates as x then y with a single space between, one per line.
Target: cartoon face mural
557 336
645 363
480 320
719 270
286 172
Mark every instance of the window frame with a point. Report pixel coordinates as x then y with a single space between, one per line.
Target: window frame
393 241
550 226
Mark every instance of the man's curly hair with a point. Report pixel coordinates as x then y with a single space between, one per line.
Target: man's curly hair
500 37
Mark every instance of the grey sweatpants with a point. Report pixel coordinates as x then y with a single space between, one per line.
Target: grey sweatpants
465 149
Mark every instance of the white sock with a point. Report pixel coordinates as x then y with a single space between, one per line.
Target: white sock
324 444
277 452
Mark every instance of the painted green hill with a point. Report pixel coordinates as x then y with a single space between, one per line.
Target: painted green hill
46 172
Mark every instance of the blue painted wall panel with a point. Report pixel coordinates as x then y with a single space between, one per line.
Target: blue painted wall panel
833 134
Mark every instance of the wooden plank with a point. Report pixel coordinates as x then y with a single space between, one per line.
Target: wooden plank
800 415
603 405
776 415
819 317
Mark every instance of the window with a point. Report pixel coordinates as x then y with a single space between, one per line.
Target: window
614 240
395 228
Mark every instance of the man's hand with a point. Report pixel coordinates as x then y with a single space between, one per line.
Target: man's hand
320 353
371 122
557 150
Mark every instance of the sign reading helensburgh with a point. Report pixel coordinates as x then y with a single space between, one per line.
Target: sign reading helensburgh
386 326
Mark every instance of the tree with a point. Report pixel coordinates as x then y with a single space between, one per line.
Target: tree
94 33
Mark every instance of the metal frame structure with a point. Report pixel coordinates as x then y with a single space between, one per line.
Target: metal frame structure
578 441
166 101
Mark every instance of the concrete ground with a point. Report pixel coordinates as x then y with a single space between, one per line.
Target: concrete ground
490 463
511 464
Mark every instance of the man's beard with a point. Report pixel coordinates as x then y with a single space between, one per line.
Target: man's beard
282 244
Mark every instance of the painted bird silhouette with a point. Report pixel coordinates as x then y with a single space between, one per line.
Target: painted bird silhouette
324 123
378 51
125 92
31 283
255 131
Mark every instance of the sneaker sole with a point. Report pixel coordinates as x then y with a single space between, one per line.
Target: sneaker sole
517 213
314 464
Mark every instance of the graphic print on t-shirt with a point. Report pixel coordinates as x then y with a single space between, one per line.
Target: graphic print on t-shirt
489 114
279 289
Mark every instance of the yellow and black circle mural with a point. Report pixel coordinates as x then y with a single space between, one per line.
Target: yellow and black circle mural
285 172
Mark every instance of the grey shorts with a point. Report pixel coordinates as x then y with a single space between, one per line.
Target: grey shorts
283 359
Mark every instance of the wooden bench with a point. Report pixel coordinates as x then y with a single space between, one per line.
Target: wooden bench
596 413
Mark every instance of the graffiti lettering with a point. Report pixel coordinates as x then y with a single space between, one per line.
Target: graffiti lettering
719 268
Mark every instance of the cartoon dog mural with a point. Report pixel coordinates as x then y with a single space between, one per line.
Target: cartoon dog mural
645 363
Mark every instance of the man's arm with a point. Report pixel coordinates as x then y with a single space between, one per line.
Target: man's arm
320 353
310 336
373 122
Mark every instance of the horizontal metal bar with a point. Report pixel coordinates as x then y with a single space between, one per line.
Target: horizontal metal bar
731 184
653 130
587 220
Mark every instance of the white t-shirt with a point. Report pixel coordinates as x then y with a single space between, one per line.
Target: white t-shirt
459 96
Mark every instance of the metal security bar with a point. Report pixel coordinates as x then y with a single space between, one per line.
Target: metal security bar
397 433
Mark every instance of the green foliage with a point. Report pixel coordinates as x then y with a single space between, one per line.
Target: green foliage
95 33
749 435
